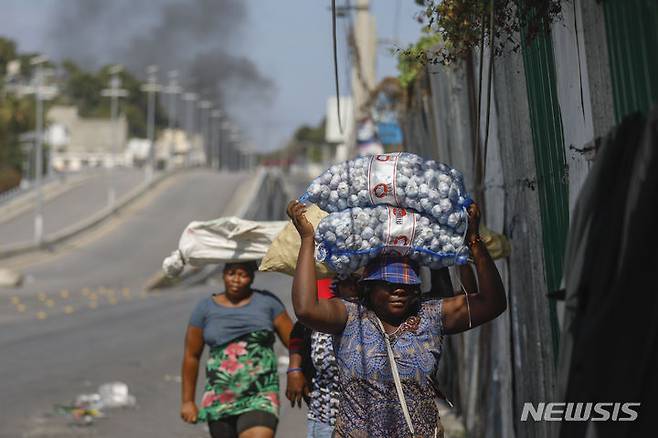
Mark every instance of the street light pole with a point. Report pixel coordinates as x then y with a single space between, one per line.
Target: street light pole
151 88
224 149
189 99
205 106
41 92
215 143
38 217
235 140
114 93
172 89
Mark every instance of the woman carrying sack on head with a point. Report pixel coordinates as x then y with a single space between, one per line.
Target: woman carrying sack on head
388 345
241 397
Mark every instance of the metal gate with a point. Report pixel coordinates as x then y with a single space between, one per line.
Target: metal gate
632 33
550 162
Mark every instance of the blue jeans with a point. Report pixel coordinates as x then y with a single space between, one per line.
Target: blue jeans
319 430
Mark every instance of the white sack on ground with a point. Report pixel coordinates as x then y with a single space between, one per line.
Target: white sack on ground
222 240
399 179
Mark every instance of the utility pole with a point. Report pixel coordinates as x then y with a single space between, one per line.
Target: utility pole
151 88
172 89
114 93
205 106
225 151
189 99
41 92
364 52
234 138
215 143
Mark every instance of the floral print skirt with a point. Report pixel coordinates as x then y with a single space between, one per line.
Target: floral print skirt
241 376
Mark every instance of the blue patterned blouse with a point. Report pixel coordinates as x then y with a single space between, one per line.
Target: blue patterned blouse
369 406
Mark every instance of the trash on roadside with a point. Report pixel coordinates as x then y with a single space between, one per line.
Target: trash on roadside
85 409
9 278
89 401
88 407
79 416
115 395
172 378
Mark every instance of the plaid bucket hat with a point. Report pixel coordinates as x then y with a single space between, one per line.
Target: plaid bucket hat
399 270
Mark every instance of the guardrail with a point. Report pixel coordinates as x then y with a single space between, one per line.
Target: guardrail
9 195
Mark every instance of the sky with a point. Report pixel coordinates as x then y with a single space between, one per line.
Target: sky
286 46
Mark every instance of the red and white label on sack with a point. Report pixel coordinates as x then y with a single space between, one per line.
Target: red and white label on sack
399 234
382 173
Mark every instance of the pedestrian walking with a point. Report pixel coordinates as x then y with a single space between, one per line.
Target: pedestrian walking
389 344
241 396
313 372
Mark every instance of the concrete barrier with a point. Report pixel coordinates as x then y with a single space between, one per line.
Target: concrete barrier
268 202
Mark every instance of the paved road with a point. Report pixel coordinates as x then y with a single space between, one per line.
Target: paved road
83 319
70 207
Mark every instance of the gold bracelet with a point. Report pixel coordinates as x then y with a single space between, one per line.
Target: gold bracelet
475 240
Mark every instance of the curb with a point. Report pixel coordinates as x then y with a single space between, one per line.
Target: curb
84 225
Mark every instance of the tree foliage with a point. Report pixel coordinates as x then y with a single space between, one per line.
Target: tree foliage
463 24
77 87
412 60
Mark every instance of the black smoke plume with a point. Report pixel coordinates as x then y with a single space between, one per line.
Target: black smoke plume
199 38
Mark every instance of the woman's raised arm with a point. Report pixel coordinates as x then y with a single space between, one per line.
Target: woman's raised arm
463 312
328 316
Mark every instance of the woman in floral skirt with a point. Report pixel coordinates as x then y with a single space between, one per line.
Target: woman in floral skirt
241 396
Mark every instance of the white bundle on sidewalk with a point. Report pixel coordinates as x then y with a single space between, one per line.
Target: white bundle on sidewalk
226 239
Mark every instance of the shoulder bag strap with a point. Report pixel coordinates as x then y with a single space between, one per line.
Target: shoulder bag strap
396 378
